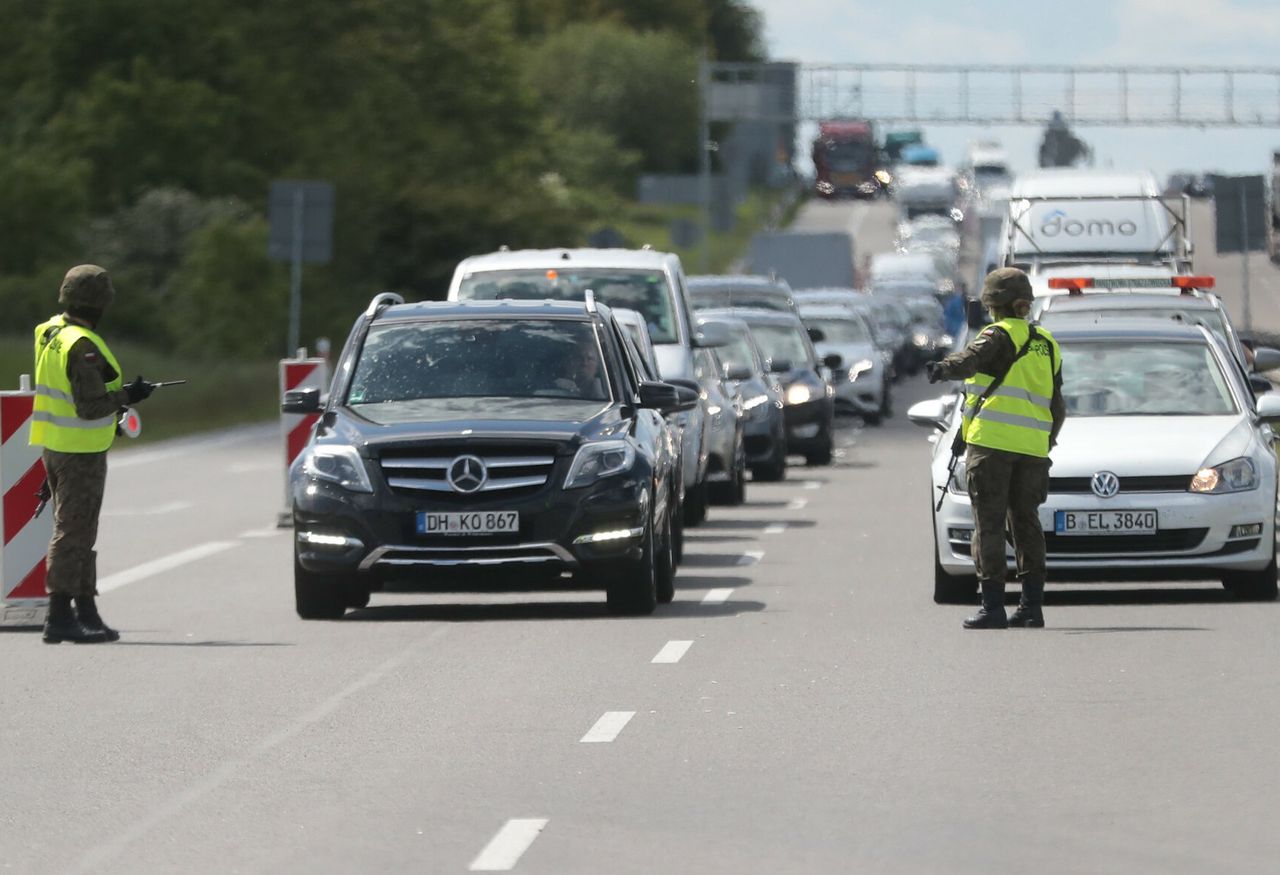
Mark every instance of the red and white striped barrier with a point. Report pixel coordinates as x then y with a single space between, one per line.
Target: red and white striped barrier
25 536
296 428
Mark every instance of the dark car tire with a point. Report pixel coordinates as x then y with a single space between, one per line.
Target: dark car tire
776 468
695 505
734 490
665 563
826 452
632 587
1254 586
950 589
317 596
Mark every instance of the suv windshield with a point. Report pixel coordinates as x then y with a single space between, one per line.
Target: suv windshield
738 352
409 361
709 297
1115 378
841 330
781 342
645 291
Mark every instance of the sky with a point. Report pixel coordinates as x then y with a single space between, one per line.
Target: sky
1168 33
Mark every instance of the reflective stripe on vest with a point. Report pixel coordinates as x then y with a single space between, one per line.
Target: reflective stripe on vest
54 423
1016 417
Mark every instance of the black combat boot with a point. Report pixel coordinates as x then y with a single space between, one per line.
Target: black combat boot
1030 612
61 624
991 615
87 611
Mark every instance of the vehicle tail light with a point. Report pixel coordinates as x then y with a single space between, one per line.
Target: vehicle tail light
1187 283
1073 284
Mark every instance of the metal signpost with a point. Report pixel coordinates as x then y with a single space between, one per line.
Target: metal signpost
301 219
1240 215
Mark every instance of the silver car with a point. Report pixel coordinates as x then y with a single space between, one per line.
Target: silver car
861 381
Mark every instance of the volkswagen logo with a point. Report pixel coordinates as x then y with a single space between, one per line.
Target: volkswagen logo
1105 484
467 474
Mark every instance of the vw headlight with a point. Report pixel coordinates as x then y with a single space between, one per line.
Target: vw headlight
859 368
798 394
959 480
338 464
1238 475
598 460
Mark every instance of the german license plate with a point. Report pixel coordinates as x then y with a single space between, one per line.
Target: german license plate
1105 522
481 522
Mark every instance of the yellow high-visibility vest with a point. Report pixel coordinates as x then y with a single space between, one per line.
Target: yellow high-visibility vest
1016 417
54 424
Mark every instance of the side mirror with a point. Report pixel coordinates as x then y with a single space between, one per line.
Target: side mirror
1260 384
301 401
710 335
934 413
1269 409
667 398
780 366
1266 359
976 314
737 373
833 360
817 335
683 383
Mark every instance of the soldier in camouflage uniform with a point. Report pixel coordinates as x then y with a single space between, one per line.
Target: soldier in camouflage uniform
79 393
1006 488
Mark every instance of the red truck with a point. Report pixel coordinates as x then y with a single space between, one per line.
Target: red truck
846 160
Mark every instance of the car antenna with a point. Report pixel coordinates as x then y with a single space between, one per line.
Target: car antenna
591 301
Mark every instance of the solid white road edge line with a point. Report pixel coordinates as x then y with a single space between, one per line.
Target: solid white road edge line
797 503
95 857
672 652
157 510
750 557
268 532
717 596
607 727
163 564
812 484
505 849
775 528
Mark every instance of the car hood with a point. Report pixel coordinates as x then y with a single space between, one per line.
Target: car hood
850 352
555 419
1148 445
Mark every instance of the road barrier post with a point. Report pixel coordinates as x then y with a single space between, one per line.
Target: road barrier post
295 428
23 600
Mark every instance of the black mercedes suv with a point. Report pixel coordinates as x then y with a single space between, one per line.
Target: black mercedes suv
510 439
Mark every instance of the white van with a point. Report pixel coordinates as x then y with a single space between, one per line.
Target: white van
1068 216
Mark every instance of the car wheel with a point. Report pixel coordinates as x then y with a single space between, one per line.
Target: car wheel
872 418
951 589
695 505
1257 586
740 479
774 469
357 596
824 454
318 596
665 569
633 587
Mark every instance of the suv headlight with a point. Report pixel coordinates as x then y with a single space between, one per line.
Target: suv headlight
1238 475
338 464
598 460
798 394
860 368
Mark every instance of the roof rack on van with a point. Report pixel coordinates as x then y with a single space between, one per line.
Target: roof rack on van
590 297
1179 258
382 301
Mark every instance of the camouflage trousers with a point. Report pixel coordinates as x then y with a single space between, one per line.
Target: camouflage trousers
1006 491
77 481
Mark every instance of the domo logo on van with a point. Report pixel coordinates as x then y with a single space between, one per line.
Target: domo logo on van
1057 224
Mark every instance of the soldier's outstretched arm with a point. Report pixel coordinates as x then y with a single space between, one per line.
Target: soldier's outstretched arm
989 353
85 367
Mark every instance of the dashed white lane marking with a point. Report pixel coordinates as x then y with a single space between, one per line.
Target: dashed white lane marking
717 596
251 467
163 564
775 528
93 860
505 849
157 510
672 652
812 484
268 532
797 503
750 557
607 727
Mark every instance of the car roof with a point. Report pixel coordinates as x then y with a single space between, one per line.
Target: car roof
1126 301
732 281
518 259
503 308
1081 326
1073 182
726 315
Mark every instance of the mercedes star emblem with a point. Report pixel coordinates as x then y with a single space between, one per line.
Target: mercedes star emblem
1105 484
467 474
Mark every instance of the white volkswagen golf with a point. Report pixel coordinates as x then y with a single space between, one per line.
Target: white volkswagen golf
1164 469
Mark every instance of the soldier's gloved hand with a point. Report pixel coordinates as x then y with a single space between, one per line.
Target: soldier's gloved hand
138 390
933 370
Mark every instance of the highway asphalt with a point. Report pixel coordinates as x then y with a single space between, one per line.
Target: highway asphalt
801 707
